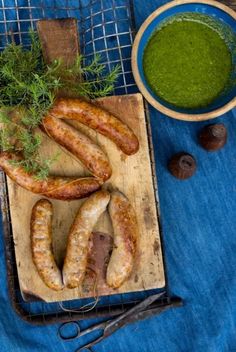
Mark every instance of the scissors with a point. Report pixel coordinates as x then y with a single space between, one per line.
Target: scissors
138 312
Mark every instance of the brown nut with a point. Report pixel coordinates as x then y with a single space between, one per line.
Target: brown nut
182 165
213 137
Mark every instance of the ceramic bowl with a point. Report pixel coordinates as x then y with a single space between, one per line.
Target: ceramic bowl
212 8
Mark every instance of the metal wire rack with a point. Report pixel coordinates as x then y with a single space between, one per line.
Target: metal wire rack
107 28
104 28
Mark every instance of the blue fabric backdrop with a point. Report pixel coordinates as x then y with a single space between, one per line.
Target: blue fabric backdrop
198 220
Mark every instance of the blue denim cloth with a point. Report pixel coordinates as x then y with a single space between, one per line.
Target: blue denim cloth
198 222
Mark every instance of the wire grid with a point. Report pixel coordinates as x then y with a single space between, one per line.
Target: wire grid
105 27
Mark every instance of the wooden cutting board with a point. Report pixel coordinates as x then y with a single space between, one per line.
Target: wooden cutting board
131 174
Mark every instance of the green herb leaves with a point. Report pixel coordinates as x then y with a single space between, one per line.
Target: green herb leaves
93 84
27 91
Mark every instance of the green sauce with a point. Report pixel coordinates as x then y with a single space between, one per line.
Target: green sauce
187 63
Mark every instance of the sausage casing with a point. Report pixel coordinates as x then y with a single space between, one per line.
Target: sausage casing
41 245
78 241
81 146
98 119
125 239
63 188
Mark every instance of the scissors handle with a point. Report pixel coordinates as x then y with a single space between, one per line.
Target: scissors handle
61 331
79 333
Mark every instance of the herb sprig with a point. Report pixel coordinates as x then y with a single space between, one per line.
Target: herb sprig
27 91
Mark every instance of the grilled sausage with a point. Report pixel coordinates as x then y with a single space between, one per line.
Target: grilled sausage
63 188
77 246
98 119
89 153
41 245
125 238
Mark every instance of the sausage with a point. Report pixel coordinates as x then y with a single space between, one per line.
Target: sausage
41 245
63 188
78 241
98 119
89 153
125 239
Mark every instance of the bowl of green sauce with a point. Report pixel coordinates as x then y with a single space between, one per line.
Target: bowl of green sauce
184 59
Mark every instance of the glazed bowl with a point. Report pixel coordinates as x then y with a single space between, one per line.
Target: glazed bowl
227 100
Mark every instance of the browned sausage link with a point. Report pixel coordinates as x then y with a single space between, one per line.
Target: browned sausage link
89 153
125 239
78 241
41 245
64 188
73 188
98 119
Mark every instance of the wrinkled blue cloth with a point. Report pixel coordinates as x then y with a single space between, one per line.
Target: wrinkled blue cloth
199 231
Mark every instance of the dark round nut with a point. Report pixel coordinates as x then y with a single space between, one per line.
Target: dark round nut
182 165
213 137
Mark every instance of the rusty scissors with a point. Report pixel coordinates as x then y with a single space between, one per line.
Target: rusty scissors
140 311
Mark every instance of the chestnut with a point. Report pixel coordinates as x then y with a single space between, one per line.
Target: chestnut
213 137
182 165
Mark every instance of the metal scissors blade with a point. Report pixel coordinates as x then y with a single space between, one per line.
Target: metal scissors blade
123 319
110 326
149 312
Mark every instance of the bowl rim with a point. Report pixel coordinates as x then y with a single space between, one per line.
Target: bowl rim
163 109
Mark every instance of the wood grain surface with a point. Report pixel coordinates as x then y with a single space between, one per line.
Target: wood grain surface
59 40
132 175
230 3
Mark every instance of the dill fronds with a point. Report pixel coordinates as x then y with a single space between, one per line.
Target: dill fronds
28 85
